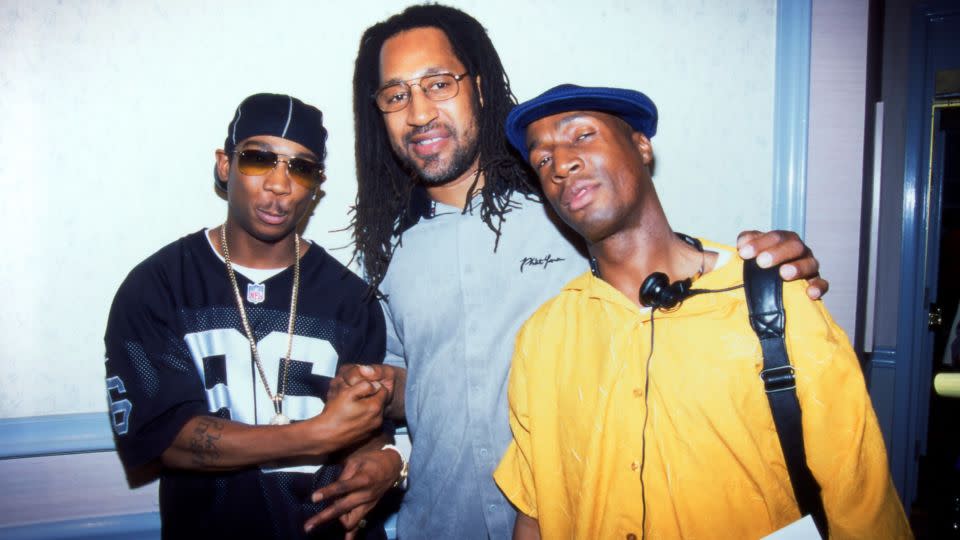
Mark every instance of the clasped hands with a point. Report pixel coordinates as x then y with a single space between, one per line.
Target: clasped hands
370 471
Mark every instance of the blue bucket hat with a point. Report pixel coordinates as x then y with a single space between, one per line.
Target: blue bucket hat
633 107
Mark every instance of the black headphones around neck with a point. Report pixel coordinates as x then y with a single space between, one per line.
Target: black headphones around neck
656 291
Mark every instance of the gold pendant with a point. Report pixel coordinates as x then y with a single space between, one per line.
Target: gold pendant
279 419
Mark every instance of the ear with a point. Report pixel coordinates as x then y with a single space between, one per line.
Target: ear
642 143
223 166
479 91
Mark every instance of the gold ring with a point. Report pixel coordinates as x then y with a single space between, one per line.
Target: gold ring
362 524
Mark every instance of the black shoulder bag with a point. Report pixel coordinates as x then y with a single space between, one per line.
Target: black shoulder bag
764 291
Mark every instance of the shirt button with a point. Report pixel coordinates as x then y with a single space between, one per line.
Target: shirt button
631 536
638 392
635 465
483 452
492 507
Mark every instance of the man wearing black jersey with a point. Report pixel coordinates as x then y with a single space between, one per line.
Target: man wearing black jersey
221 346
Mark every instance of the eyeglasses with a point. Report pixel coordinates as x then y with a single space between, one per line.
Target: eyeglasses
437 87
260 162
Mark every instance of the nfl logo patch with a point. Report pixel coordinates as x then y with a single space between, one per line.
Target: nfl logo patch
256 292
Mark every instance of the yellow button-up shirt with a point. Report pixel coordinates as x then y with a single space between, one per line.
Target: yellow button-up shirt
713 466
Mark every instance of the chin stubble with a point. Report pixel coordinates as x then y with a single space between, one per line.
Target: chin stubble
434 171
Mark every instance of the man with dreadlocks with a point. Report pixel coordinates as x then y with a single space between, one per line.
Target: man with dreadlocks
451 229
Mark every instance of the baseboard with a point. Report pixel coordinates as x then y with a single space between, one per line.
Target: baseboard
144 526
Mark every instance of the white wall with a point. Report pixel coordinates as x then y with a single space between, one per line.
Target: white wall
111 112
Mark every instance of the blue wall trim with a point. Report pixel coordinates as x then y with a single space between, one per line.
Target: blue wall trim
791 107
55 434
144 526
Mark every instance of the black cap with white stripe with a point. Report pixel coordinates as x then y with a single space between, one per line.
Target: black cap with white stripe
278 115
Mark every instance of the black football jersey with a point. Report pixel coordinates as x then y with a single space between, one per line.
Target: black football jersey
176 348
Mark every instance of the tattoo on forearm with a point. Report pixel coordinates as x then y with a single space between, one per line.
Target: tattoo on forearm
204 442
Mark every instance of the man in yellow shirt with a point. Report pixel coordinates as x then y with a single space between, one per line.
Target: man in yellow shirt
633 422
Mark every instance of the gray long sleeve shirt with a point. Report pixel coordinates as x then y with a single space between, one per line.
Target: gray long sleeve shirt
454 307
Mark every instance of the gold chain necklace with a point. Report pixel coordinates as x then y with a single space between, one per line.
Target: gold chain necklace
279 418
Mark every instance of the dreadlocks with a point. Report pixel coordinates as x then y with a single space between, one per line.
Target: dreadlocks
385 187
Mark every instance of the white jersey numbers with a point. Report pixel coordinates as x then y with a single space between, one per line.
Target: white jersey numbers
119 408
223 360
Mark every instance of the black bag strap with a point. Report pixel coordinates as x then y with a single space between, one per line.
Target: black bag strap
764 292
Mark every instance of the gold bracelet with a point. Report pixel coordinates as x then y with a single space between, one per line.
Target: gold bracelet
404 467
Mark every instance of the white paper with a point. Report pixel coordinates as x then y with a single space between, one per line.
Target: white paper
802 529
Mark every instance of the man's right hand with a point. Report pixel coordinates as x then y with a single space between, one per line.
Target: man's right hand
393 379
352 413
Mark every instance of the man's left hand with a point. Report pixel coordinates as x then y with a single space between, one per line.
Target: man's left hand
365 478
786 249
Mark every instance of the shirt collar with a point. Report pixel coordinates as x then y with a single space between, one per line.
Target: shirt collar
727 272
423 207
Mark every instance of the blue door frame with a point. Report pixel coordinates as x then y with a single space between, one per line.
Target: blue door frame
913 355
